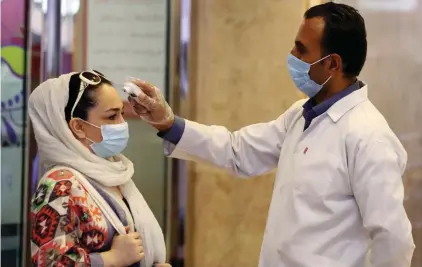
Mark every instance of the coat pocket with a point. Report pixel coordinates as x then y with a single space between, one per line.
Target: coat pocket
314 172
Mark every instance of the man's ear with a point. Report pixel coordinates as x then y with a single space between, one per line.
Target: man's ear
336 63
77 128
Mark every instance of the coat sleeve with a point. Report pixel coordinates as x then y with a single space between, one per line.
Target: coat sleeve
248 152
56 224
378 188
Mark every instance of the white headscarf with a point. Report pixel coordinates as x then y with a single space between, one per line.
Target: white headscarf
58 147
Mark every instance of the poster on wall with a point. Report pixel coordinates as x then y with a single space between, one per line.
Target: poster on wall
12 106
127 38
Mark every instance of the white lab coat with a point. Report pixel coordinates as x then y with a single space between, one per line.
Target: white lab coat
338 192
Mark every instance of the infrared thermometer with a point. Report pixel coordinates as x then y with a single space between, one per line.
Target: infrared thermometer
132 89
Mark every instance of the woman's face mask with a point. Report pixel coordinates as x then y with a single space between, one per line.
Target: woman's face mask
114 139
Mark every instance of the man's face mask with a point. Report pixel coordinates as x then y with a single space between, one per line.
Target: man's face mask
299 71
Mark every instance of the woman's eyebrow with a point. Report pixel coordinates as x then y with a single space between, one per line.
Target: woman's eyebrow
114 109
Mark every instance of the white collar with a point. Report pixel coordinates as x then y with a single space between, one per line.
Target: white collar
347 103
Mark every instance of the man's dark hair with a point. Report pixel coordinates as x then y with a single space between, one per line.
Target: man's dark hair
344 34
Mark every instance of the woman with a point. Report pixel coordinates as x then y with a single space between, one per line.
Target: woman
87 211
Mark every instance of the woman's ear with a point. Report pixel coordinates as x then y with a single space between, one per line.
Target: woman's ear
77 128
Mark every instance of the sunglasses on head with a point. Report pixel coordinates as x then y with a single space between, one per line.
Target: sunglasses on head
87 78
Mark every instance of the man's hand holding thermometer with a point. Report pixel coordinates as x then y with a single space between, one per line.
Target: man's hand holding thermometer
149 103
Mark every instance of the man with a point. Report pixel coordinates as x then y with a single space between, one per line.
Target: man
338 193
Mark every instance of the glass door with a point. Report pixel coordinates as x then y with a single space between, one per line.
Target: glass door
13 125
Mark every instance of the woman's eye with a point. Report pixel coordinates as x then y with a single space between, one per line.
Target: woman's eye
113 117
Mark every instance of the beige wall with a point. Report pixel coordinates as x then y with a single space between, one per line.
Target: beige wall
238 77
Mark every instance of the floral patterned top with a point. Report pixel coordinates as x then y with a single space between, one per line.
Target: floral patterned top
68 228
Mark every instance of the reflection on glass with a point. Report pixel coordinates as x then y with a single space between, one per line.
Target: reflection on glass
185 16
388 5
68 7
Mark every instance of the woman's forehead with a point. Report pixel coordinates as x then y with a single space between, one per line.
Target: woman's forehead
108 98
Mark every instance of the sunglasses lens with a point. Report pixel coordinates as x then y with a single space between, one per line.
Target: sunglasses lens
91 77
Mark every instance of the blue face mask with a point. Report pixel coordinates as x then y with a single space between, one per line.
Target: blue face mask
299 71
115 139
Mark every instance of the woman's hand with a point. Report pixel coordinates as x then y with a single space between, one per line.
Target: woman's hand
125 251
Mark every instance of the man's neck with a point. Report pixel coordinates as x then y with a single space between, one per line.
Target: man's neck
334 89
